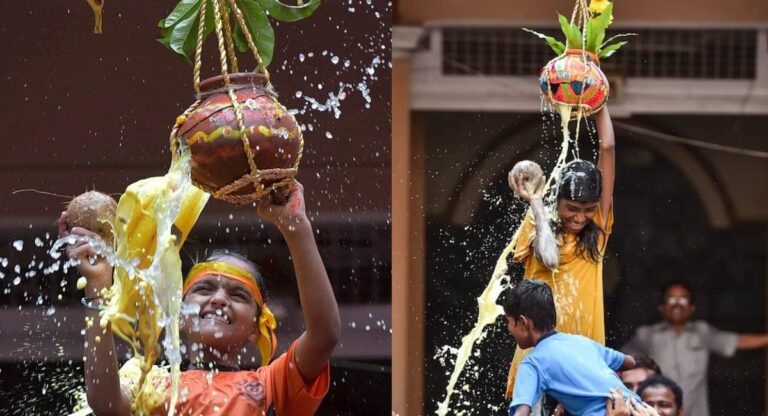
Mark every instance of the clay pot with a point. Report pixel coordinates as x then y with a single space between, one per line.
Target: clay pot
570 79
218 155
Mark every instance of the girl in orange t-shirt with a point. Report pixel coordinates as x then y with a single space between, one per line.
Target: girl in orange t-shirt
225 293
570 260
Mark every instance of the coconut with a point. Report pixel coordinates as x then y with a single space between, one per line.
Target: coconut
531 175
93 211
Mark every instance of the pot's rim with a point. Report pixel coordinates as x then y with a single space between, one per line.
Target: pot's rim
575 51
237 79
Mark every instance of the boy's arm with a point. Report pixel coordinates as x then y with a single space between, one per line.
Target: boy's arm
606 160
102 383
628 364
529 388
522 410
615 360
318 303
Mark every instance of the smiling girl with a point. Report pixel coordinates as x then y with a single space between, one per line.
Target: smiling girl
584 217
225 295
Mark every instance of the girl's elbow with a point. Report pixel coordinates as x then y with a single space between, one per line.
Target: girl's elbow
334 334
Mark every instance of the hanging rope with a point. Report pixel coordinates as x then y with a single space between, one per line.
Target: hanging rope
98 7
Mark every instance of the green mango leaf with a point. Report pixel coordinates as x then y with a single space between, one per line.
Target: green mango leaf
611 49
180 12
571 32
181 37
182 32
259 27
596 27
612 38
555 44
286 13
595 36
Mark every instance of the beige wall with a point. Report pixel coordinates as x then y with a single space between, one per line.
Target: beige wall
737 11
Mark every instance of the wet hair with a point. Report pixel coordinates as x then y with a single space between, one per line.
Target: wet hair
580 181
222 253
646 362
685 284
659 380
532 299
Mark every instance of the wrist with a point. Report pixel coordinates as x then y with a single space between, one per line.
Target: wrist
296 226
95 289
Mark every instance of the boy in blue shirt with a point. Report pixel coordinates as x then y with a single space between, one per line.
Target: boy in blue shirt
578 372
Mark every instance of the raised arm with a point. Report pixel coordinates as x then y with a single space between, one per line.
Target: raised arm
606 160
318 303
544 245
102 384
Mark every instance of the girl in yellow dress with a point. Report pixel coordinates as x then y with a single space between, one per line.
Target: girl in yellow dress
581 230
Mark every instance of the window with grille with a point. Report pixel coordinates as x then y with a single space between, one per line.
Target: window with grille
654 53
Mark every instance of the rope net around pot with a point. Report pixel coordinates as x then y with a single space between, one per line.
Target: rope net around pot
244 143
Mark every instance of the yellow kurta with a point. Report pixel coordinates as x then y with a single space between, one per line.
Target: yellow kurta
577 285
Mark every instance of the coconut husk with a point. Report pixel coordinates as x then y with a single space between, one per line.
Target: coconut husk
93 211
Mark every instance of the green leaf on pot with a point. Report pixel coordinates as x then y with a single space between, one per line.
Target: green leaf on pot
181 36
571 32
555 44
596 27
259 27
611 49
184 35
612 38
285 13
181 11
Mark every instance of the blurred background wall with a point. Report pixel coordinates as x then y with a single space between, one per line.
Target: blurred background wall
689 98
83 111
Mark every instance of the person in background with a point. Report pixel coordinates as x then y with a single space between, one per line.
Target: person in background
644 369
682 346
663 394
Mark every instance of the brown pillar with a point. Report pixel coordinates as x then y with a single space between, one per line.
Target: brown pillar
407 249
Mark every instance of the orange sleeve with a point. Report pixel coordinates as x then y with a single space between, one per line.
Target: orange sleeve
291 395
527 233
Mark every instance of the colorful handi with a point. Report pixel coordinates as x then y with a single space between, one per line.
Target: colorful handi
574 78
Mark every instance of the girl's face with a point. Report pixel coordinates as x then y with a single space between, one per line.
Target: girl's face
227 318
576 215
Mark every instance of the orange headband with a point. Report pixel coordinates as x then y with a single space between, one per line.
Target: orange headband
266 325
221 268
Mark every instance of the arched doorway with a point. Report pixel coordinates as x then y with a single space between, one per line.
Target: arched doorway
667 226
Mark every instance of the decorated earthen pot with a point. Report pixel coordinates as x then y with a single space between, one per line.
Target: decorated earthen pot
575 79
220 162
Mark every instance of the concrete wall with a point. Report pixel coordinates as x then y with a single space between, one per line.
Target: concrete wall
739 11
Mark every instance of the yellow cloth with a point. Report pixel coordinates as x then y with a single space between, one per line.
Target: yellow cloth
577 285
151 243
